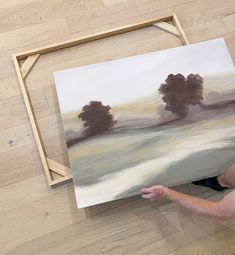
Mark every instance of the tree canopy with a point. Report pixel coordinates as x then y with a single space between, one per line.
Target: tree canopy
180 92
96 117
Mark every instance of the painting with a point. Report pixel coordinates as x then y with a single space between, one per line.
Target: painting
164 117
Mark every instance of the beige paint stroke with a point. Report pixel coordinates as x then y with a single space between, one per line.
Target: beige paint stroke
112 185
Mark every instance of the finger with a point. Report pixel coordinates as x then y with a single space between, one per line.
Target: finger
148 196
147 190
144 191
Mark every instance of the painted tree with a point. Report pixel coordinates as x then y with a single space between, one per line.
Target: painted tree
180 92
96 117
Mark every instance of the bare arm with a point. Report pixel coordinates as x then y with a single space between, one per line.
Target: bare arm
228 206
223 209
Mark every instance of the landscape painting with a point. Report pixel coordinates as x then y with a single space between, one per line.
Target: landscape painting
164 117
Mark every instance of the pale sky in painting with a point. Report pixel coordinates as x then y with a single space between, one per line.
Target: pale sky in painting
123 80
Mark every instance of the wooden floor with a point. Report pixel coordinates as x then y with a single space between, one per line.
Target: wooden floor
35 219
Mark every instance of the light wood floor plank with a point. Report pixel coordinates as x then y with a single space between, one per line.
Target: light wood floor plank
35 219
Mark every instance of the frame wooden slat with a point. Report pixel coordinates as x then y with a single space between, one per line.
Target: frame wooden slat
58 168
183 37
32 56
28 64
167 27
61 180
92 37
32 120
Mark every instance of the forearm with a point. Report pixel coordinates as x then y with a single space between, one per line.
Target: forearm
197 205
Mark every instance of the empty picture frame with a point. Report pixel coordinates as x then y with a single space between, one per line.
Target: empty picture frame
162 117
55 172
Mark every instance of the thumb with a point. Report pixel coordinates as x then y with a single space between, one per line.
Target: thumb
147 190
149 196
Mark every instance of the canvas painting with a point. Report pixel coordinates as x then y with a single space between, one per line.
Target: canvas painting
164 117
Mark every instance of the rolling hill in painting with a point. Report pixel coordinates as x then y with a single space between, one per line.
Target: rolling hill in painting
149 145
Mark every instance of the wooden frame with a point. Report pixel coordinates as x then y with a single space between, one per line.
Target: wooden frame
30 58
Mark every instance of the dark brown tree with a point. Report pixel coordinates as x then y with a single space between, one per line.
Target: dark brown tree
96 118
180 92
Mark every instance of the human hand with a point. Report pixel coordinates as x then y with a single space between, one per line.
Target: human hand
153 193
